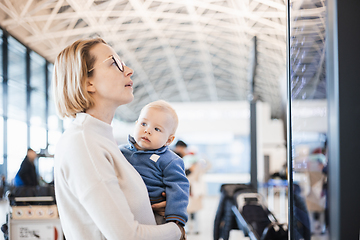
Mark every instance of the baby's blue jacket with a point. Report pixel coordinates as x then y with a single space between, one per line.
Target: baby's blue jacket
162 171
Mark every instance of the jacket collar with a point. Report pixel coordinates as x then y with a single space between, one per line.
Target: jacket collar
132 147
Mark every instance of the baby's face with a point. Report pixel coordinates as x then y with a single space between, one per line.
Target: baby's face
153 129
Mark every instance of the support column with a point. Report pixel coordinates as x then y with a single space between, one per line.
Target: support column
253 120
343 52
253 146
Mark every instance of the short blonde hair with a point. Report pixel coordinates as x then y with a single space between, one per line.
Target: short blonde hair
165 107
69 77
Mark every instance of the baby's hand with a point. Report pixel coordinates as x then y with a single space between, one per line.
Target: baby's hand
159 208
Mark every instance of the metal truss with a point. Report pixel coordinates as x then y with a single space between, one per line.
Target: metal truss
181 51
307 49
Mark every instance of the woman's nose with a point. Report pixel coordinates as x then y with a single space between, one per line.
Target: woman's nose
128 71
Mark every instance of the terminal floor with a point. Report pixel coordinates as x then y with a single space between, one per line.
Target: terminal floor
206 218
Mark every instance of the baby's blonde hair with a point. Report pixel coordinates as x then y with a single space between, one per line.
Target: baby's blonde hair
165 107
69 77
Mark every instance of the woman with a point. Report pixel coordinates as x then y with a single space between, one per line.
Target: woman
99 194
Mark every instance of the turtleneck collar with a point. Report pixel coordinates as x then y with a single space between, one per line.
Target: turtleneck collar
94 124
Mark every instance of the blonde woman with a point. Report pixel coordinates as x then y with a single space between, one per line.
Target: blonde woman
99 194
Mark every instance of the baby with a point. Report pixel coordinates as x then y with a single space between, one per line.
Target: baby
161 169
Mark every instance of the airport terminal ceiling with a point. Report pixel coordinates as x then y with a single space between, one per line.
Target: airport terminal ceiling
181 51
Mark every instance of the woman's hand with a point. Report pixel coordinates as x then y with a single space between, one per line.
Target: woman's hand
159 208
182 230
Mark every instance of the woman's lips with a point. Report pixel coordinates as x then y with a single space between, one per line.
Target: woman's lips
130 84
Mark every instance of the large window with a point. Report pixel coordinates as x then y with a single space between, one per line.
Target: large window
17 146
1 139
1 59
17 80
1 103
38 102
28 116
54 123
1 78
17 128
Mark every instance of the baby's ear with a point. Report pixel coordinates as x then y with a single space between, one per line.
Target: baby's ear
170 140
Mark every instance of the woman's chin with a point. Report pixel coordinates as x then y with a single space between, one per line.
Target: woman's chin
131 98
127 100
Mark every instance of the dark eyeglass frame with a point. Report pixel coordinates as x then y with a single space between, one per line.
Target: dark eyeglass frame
121 67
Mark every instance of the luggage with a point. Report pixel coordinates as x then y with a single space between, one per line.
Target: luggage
241 207
224 218
33 213
36 195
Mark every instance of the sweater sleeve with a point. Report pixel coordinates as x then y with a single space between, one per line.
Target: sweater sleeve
177 191
90 176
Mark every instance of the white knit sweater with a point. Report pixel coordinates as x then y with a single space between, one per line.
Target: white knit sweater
99 194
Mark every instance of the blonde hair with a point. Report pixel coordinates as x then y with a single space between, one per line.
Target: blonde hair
165 107
69 77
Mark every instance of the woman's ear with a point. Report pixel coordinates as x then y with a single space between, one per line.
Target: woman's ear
170 140
90 86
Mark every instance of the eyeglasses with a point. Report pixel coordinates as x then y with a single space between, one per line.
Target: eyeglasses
120 64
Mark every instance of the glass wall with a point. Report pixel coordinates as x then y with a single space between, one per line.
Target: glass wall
27 112
308 119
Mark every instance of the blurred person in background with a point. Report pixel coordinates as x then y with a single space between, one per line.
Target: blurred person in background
180 148
195 168
27 176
